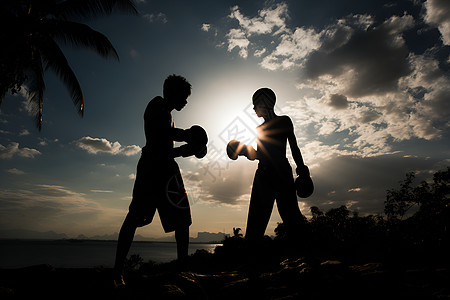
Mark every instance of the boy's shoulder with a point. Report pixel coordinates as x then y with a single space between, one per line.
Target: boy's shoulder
286 120
278 122
155 105
158 101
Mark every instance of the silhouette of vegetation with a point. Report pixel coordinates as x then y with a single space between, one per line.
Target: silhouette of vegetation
237 232
31 32
415 224
133 262
414 227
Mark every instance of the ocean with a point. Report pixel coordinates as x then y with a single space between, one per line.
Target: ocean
83 253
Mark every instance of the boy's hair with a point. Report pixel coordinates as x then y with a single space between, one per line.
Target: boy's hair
176 85
264 96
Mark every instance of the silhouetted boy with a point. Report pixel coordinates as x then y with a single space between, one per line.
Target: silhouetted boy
273 178
158 183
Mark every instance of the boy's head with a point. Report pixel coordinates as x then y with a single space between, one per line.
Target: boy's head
176 89
263 101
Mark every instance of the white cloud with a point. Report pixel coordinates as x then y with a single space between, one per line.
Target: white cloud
15 171
267 20
361 88
237 38
438 14
259 53
292 49
270 20
367 84
206 27
95 145
13 149
130 150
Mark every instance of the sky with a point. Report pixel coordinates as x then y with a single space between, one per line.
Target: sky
366 84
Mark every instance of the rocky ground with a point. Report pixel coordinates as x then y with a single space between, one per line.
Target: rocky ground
293 278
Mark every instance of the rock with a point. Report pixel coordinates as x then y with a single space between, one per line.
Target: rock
171 291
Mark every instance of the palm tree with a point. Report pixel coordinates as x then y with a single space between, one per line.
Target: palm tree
31 31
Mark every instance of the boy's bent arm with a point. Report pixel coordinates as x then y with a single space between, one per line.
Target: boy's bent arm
252 154
179 135
183 151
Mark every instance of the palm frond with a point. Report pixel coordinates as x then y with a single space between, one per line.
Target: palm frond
80 35
55 60
86 9
36 88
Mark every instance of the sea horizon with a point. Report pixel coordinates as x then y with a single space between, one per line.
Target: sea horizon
84 253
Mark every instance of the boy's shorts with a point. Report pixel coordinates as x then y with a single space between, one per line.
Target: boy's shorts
160 186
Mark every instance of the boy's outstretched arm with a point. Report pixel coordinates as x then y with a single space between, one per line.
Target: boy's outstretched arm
296 154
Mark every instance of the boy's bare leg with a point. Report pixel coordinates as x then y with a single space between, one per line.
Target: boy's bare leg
126 236
182 238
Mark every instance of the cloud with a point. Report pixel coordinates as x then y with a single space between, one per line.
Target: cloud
24 132
292 49
15 171
130 150
13 149
206 27
361 183
360 74
270 20
231 188
237 38
95 145
52 198
46 207
367 85
438 14
259 53
338 101
370 61
156 17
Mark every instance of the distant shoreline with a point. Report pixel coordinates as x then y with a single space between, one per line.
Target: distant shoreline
76 253
99 240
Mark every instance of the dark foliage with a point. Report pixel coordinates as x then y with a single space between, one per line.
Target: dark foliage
413 229
31 32
415 226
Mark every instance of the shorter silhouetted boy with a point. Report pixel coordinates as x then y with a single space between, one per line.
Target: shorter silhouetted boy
158 184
